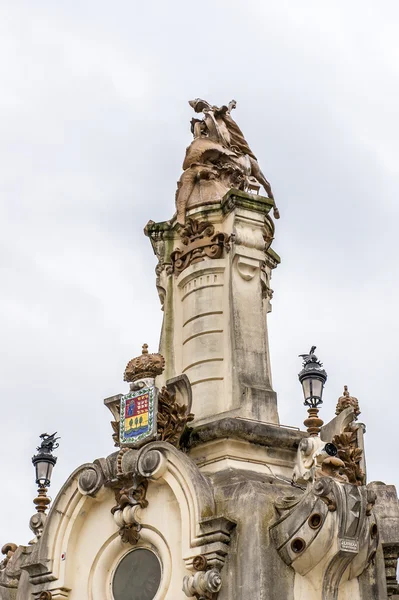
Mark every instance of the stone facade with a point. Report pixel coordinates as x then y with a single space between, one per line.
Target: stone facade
232 504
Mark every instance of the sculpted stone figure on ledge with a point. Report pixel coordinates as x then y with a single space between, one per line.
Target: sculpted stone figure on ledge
217 160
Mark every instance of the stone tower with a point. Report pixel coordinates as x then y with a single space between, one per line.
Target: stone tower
207 496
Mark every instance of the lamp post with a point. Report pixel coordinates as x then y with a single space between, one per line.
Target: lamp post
44 462
312 377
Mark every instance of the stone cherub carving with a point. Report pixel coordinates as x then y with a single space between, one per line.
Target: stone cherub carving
218 159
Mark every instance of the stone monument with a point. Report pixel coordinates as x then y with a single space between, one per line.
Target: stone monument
207 496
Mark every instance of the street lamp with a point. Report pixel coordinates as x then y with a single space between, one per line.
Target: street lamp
312 377
44 462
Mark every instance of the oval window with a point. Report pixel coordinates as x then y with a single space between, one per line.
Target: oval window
137 577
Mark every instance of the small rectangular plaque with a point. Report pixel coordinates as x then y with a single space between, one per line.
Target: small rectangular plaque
349 545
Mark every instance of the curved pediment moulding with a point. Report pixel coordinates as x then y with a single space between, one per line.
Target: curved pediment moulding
43 560
142 482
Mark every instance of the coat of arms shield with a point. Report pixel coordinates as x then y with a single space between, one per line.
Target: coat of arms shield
138 422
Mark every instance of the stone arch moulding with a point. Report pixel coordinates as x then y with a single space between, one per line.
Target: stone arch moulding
205 535
45 561
111 552
204 532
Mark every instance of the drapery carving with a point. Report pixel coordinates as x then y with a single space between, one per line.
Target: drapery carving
218 159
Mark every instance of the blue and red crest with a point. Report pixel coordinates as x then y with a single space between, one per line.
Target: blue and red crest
138 417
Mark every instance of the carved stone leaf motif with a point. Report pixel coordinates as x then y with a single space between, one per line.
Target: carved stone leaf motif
351 456
172 417
130 533
201 242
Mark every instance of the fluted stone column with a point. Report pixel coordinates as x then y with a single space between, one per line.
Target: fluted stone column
214 284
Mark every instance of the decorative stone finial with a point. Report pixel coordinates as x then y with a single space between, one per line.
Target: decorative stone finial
347 400
146 365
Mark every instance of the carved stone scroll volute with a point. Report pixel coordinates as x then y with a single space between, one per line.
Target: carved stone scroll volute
200 241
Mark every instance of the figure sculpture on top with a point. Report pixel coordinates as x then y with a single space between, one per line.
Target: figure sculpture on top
218 159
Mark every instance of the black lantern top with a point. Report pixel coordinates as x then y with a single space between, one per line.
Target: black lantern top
44 460
312 377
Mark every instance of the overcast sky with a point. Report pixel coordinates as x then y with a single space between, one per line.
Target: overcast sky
94 125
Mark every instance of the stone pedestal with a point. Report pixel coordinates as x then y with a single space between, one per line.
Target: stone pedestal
214 283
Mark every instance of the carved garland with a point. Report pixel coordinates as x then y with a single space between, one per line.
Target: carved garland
130 493
172 417
350 455
201 242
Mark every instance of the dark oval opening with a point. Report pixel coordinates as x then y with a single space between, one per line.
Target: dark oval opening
373 531
314 521
138 576
298 545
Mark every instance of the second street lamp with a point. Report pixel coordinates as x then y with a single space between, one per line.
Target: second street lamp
312 377
44 462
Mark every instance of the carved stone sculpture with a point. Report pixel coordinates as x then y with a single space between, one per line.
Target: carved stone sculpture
347 400
217 160
328 535
200 241
130 494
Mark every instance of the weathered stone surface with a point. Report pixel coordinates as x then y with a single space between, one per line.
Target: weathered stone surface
215 308
253 568
255 432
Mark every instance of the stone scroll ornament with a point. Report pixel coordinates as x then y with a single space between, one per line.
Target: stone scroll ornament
200 241
203 584
218 159
143 415
327 534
